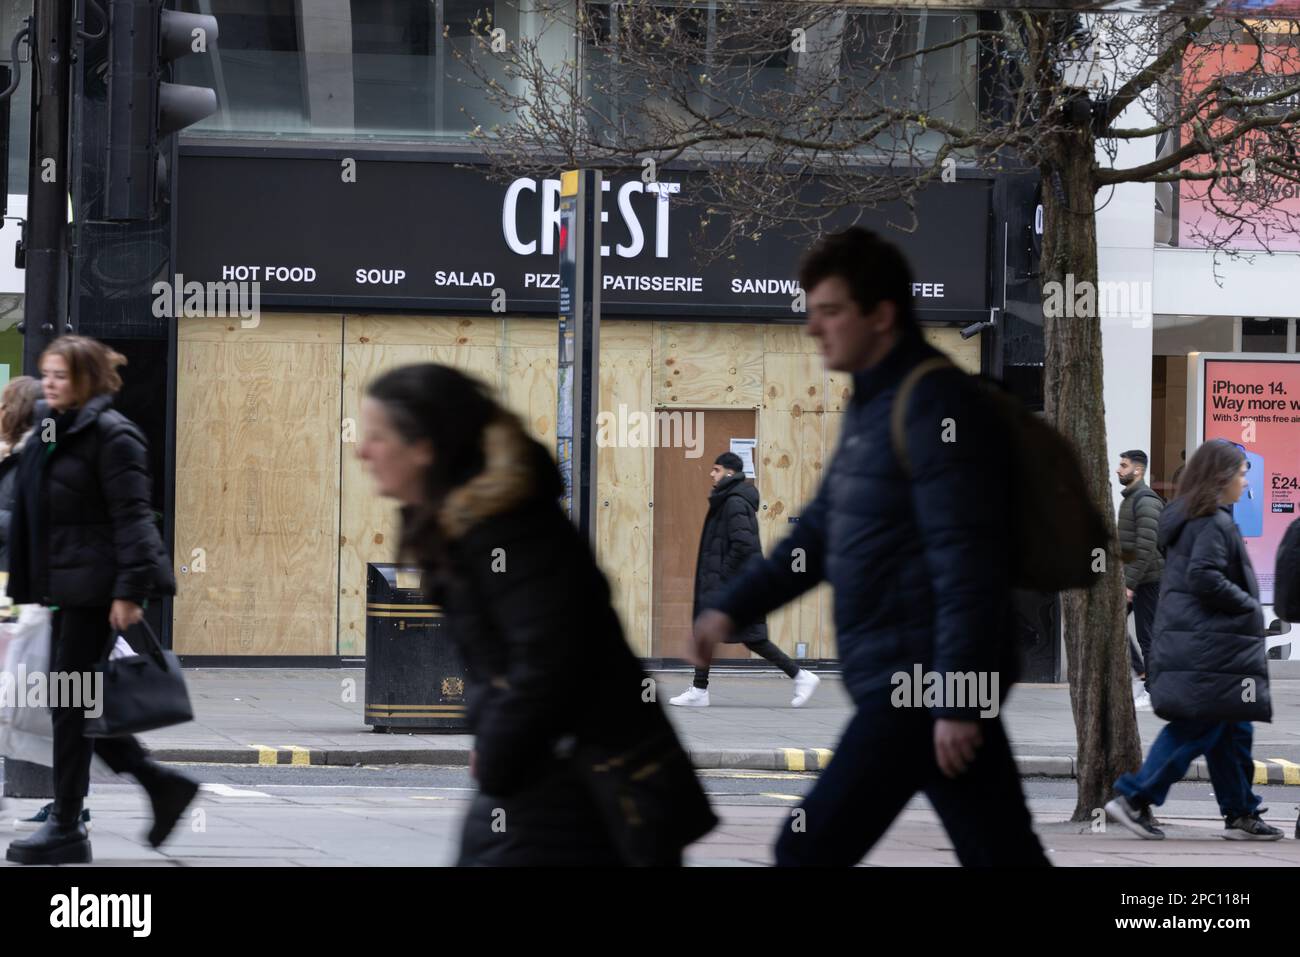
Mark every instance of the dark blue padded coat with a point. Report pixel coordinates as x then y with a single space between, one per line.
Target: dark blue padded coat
921 565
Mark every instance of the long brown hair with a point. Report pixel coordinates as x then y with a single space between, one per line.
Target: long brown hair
92 366
1209 471
17 403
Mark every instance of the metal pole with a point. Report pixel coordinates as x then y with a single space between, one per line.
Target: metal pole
45 308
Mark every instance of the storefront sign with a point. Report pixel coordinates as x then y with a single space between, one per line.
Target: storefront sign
1255 403
434 236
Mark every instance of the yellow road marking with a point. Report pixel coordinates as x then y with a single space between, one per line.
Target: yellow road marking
1290 770
265 755
301 755
1261 773
794 759
823 756
783 797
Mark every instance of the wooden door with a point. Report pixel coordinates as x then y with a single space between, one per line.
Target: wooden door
681 502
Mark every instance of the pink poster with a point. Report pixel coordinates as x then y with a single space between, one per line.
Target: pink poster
1255 210
1256 404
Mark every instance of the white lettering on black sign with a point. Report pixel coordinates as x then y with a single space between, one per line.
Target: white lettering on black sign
380 277
549 220
445 278
654 283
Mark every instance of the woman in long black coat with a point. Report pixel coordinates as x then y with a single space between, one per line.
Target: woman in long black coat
83 541
559 706
1208 673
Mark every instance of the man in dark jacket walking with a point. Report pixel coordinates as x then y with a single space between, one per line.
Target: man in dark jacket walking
1139 525
728 541
921 572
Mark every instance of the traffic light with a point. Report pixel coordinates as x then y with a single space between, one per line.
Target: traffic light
144 39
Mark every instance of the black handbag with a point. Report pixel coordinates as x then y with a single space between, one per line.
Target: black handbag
649 798
140 692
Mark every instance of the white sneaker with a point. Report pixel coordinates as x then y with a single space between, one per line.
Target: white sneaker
805 683
1142 702
692 697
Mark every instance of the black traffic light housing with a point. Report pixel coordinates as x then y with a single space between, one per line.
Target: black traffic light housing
144 39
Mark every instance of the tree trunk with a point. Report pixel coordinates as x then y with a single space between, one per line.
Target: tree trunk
1094 620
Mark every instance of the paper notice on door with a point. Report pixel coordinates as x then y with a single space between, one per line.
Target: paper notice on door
745 449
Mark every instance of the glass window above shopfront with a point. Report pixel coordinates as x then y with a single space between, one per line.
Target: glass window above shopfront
395 70
344 69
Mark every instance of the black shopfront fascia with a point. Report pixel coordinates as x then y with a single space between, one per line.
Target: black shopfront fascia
418 231
420 212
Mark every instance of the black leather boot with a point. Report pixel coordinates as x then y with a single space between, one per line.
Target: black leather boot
60 840
170 793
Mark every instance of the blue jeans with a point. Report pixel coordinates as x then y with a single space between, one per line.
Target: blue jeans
1226 746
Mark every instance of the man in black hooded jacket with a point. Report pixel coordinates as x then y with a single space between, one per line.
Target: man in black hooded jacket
728 541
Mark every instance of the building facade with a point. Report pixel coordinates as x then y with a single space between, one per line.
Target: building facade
339 175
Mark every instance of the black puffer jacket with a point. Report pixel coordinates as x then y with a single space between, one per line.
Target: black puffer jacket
1208 660
728 540
920 567
529 611
89 494
1139 526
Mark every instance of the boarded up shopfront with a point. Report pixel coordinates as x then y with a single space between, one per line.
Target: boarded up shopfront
271 494
402 266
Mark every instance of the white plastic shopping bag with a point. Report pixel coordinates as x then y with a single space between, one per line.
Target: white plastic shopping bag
27 733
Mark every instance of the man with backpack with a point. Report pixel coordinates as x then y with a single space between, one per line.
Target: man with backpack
1139 525
917 540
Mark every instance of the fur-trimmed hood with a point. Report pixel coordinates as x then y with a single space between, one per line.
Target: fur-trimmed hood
516 468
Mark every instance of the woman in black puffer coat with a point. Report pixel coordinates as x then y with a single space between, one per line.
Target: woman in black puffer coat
1208 672
568 734
83 541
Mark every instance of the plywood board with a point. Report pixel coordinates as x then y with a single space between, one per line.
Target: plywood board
777 461
637 336
708 364
794 382
286 327
839 391
964 352
529 389
531 333
441 331
789 340
257 483
624 491
368 525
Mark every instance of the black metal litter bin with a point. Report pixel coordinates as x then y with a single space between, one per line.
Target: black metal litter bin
414 677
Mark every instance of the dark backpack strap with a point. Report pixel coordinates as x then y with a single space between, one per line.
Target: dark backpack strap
898 414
